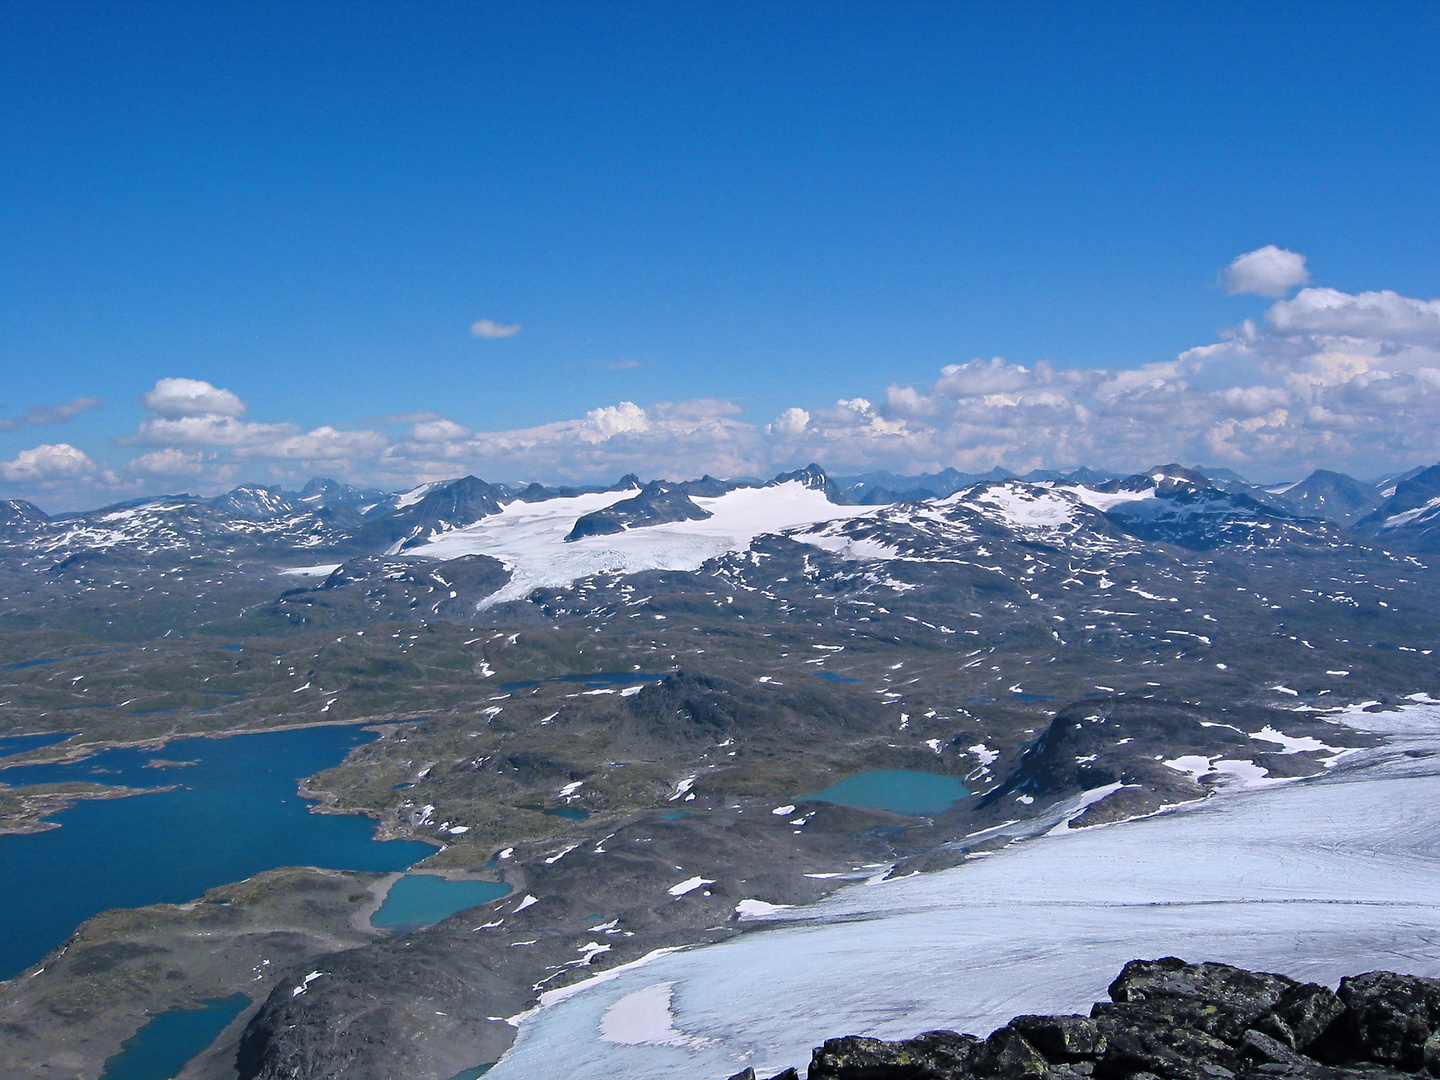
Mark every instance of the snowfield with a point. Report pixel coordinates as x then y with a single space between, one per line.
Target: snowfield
529 538
1317 879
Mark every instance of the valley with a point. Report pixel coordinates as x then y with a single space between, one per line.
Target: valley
620 705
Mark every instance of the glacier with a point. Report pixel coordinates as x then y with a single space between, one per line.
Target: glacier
529 538
1316 878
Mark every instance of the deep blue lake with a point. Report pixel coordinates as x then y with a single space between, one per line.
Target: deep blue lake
18 744
233 814
901 791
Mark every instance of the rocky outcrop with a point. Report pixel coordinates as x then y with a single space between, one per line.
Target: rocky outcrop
18 512
1169 1020
657 504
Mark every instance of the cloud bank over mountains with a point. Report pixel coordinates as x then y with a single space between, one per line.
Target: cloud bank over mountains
1326 379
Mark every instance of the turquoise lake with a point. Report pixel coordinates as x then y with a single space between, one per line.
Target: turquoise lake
418 900
161 1048
901 791
232 814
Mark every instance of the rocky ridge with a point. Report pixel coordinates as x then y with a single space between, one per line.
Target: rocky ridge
1170 1020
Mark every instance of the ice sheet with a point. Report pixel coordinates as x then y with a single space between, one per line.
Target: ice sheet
1318 879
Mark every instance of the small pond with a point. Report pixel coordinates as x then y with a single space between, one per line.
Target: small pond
901 791
161 1048
830 676
418 900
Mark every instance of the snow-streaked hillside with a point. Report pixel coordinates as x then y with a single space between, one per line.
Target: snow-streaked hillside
529 538
1316 879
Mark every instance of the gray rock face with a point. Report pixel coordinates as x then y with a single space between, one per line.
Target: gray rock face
1169 1020
19 512
1333 496
258 503
656 504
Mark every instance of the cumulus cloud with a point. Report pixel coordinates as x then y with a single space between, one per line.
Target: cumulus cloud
438 430
1324 379
323 444
47 463
612 420
1329 380
790 422
207 430
489 328
1381 316
172 463
176 398
1267 271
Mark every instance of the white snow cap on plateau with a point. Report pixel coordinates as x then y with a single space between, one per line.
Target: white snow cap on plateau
1021 505
529 538
1316 879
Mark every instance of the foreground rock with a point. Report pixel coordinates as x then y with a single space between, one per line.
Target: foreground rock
1176 1021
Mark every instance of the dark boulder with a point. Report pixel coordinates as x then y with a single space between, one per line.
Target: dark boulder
1169 1020
935 1055
1393 1018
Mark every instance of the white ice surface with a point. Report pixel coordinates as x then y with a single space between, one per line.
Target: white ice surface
1024 505
319 570
1106 500
529 538
1318 879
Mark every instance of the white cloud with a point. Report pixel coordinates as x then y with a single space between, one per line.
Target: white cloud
47 463
1267 271
1326 379
172 463
790 422
1383 316
611 420
175 398
324 444
489 328
439 430
207 430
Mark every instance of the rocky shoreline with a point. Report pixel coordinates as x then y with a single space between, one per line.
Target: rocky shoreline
1170 1020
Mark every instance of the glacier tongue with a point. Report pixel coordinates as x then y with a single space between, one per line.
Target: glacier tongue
1316 879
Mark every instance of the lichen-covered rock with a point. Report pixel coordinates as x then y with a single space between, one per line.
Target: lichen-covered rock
1217 999
1303 1014
1008 1055
935 1055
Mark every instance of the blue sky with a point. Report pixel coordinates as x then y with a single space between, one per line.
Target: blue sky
735 209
